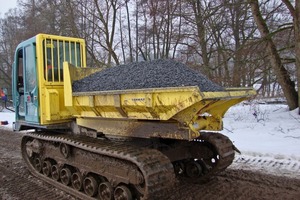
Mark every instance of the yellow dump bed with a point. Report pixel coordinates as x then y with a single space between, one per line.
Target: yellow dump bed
188 106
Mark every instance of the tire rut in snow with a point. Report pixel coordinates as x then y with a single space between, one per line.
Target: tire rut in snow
230 184
280 167
18 186
239 184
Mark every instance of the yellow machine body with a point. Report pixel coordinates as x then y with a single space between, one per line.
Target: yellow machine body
52 109
183 110
117 144
38 87
53 63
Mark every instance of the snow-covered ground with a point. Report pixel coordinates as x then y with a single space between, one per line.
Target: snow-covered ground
268 136
264 128
9 116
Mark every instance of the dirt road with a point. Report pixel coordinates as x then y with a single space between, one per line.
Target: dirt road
235 183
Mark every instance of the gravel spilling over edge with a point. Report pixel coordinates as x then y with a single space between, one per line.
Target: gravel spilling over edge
146 74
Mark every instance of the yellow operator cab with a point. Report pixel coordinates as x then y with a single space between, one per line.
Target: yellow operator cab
38 91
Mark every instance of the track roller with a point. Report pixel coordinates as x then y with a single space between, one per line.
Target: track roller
122 192
46 168
77 181
65 176
38 164
55 172
193 169
90 186
65 150
106 191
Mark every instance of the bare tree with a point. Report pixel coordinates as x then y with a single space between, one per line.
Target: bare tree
217 38
129 31
200 19
136 30
161 27
107 15
11 34
288 86
122 38
295 13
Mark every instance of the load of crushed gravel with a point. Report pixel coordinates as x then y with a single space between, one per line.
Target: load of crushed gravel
142 75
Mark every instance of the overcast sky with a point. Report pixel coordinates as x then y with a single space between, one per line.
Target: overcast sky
5 5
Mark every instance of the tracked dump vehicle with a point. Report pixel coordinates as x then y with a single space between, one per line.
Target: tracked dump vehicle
114 144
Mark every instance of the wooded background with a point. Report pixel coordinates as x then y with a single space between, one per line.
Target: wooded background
233 42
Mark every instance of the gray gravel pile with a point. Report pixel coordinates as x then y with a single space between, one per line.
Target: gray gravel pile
147 74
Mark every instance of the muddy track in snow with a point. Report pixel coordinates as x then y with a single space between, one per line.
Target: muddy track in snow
19 186
15 180
237 182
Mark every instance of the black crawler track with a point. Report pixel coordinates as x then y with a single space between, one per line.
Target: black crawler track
214 149
156 168
223 150
158 172
18 185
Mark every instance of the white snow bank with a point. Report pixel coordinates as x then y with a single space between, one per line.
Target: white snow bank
264 130
9 116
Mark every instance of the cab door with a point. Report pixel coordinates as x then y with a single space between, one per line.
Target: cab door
31 103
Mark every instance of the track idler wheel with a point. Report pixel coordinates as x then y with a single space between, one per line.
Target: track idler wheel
90 186
65 176
33 147
106 191
122 193
77 181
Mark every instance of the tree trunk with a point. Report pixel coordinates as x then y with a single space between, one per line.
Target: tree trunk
297 46
121 38
295 13
201 31
129 32
288 86
136 32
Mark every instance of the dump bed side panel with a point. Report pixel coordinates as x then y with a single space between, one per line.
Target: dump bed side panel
187 106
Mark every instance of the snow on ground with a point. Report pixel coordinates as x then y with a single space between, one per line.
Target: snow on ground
9 116
267 129
268 136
